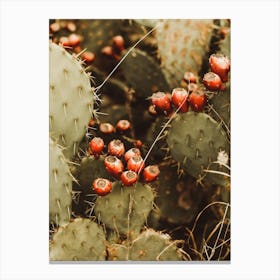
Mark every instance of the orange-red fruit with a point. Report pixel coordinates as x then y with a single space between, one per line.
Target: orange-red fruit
150 173
107 50
212 81
179 98
88 56
74 39
102 186
129 177
64 41
138 143
106 128
131 152
123 125
116 148
96 145
192 87
54 27
113 165
220 65
118 42
197 100
161 101
71 26
189 77
91 122
136 164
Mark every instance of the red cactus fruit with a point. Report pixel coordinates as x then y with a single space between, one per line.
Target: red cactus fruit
102 186
179 98
54 27
150 173
74 39
197 100
192 87
116 148
123 125
129 177
131 152
189 77
138 143
118 42
71 26
106 128
107 50
220 65
96 146
161 101
136 164
212 81
113 165
64 41
88 56
91 122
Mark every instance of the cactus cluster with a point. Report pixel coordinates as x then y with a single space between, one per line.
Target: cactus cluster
139 153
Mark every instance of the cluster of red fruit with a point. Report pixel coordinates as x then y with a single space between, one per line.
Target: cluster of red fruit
220 66
73 40
190 94
116 159
115 50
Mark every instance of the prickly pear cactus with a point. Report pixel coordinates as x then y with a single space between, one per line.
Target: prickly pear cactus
125 209
90 169
178 201
150 245
182 45
80 240
60 184
143 73
71 99
196 140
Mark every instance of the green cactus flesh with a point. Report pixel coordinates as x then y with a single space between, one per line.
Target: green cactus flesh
221 107
182 45
91 169
195 141
71 99
143 73
148 246
80 240
178 200
60 186
125 209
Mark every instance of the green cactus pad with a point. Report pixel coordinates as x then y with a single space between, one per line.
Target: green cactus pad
80 240
195 140
71 99
125 209
91 169
148 246
178 200
221 105
143 73
182 45
60 186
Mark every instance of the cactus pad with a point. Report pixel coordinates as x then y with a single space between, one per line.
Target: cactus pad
195 140
125 209
80 240
148 246
182 45
60 186
71 99
143 73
